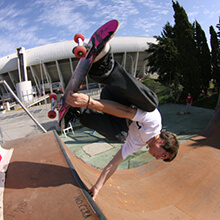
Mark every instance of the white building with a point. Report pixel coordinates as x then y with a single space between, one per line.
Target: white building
48 68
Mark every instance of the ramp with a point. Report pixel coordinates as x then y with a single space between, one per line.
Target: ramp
40 183
187 188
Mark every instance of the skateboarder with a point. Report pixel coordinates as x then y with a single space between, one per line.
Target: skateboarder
126 112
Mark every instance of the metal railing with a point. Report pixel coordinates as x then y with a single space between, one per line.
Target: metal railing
21 104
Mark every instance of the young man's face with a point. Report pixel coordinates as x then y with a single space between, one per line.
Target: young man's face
157 151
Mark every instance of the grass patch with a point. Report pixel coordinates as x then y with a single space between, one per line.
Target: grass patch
164 94
209 101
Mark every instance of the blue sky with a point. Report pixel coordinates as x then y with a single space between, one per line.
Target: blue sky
32 23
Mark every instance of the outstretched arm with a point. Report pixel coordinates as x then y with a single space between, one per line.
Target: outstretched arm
106 174
106 106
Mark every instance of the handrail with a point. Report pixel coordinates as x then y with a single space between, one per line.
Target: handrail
21 104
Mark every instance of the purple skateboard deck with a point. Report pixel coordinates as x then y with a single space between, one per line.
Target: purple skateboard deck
97 43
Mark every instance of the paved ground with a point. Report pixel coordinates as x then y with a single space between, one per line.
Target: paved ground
17 124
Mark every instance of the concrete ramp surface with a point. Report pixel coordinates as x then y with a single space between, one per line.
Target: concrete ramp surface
40 184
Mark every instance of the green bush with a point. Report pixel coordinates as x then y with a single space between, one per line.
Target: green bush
165 95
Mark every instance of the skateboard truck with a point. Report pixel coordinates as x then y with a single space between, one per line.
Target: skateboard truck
53 98
79 51
55 104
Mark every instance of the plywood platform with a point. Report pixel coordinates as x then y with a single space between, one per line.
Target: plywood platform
40 184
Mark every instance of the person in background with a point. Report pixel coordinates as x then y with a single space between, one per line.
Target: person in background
189 100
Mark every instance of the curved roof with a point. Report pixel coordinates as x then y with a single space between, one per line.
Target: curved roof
63 50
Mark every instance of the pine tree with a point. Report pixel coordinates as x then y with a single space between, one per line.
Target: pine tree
218 34
215 61
163 59
204 58
187 57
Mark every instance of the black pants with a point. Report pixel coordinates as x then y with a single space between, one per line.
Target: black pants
123 88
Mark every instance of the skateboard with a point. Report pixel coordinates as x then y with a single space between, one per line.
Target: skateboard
181 113
87 54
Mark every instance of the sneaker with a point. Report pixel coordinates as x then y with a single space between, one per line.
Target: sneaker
71 116
103 52
102 67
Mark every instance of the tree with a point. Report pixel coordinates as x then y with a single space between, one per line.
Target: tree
215 56
218 34
203 54
187 60
163 59
181 56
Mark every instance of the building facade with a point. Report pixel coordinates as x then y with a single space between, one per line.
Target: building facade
48 68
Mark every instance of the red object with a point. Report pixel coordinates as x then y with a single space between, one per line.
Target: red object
52 114
189 99
53 95
80 51
0 157
79 35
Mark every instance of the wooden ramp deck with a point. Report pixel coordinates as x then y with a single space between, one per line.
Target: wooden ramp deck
40 183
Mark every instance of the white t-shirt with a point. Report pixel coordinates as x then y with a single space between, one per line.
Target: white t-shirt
144 126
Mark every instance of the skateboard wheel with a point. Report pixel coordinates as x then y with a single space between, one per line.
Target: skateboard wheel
52 114
53 95
79 51
73 50
79 35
